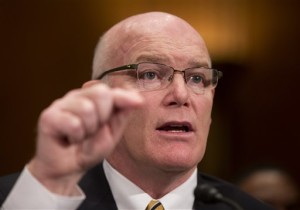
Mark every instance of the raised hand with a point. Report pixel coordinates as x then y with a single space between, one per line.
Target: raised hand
78 131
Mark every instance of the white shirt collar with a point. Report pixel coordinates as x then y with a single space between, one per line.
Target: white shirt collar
129 196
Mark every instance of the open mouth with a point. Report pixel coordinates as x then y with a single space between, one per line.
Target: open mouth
176 127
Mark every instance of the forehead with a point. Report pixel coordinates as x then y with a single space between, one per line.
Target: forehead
159 36
172 50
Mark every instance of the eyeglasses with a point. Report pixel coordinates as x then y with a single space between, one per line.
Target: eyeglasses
155 76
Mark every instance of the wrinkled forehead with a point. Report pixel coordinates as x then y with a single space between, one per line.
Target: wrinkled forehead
182 53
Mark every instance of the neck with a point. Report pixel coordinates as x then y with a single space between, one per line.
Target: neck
156 182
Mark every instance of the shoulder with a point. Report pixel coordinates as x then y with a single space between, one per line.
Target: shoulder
6 184
233 192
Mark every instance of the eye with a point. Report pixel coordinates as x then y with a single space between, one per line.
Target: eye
149 75
196 79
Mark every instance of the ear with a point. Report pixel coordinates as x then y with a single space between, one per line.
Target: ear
90 83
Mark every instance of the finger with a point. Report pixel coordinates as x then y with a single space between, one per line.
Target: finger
83 108
100 95
127 99
61 125
108 99
98 147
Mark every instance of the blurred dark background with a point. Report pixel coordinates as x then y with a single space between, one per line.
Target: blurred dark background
46 49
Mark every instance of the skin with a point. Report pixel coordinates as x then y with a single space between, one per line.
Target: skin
120 124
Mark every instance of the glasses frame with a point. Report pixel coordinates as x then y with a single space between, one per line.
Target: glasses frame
135 66
120 68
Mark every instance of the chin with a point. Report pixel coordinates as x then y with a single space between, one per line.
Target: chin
178 162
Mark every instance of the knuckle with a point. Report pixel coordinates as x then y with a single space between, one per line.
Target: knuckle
100 90
75 126
46 116
86 106
46 121
101 86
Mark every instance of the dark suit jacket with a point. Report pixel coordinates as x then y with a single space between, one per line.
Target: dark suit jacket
99 195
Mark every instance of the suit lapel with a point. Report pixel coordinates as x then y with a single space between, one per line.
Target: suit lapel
97 191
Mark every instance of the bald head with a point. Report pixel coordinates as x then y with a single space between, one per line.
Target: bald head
117 45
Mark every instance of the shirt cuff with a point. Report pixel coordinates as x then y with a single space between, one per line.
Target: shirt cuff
29 193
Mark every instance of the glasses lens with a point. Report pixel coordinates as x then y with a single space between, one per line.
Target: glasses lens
199 79
153 76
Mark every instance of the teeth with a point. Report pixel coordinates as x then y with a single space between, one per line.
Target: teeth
176 131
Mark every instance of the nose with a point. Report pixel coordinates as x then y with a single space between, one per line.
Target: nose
178 93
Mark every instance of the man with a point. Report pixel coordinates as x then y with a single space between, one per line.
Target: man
146 114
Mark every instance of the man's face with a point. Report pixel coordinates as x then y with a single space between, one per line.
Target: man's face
170 131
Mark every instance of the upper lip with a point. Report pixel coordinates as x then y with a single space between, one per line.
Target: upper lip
187 126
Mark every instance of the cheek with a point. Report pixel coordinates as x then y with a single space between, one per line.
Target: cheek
203 109
204 116
138 128
139 132
144 118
